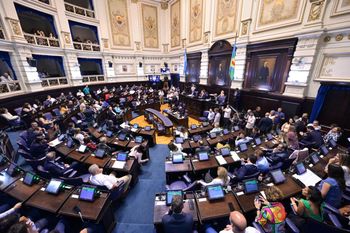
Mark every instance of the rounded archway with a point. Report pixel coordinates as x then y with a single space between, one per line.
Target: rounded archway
219 63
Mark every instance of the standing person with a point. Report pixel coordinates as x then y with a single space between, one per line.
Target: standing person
227 116
86 90
211 115
161 96
280 118
265 124
258 114
250 122
217 116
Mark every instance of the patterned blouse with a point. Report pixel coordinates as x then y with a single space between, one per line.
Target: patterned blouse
272 218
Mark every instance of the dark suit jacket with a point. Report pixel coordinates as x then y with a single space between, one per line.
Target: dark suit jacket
265 125
178 223
246 170
54 168
314 136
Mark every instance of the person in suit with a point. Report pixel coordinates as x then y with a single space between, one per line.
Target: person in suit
57 169
248 168
39 146
177 221
264 72
312 137
265 124
103 145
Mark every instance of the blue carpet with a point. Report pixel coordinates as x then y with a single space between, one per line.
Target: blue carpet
135 214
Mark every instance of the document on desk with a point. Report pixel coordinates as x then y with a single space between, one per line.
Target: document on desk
308 178
54 143
220 160
235 156
118 164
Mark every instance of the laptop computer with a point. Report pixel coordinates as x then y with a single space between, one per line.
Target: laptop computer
122 156
147 128
236 128
225 132
196 138
203 156
138 139
29 179
324 150
212 135
269 137
109 133
215 192
122 136
257 141
251 186
277 176
179 140
300 168
193 126
332 143
314 158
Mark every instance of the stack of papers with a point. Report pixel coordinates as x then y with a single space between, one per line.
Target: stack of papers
54 143
220 160
118 164
308 178
235 156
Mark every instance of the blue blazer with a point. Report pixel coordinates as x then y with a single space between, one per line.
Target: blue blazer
178 223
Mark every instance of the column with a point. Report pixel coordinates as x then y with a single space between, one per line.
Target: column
237 82
203 77
74 69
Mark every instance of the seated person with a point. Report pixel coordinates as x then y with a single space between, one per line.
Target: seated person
79 135
202 147
177 221
238 224
174 149
11 210
343 160
137 152
39 146
333 134
90 144
44 122
70 129
103 145
27 109
312 137
261 162
217 129
110 181
8 116
247 168
222 178
57 169
242 139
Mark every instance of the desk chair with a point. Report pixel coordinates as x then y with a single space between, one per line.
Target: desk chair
185 185
315 226
22 142
34 163
48 116
299 155
115 193
334 216
56 112
204 117
290 227
13 124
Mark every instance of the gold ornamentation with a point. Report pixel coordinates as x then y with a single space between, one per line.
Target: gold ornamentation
66 37
339 37
225 17
150 26
244 28
105 43
206 37
164 5
138 45
196 10
16 28
134 1
175 11
327 38
165 48
315 11
118 12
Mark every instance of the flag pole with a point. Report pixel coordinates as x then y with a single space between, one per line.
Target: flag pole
230 83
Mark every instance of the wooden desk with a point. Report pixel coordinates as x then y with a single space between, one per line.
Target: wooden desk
81 157
49 202
94 132
160 208
200 130
186 145
21 191
214 141
195 145
204 165
101 162
89 210
132 143
6 180
117 142
150 135
166 121
64 150
179 121
186 166
216 209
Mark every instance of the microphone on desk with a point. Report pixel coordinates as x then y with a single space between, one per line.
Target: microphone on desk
78 211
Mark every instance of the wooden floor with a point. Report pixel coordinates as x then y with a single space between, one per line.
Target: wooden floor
159 139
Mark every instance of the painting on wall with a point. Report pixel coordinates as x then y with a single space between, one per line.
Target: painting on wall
175 11
341 7
226 11
196 20
278 13
150 26
264 74
118 13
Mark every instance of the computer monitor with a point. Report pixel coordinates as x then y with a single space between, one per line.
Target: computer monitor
251 186
109 133
100 153
138 139
236 128
332 143
300 168
225 132
277 176
243 147
122 136
178 158
257 141
193 126
203 156
269 137
179 140
215 192
28 179
54 186
87 193
314 158
82 148
170 194
225 151
135 126
196 138
212 135
122 156
324 150
148 128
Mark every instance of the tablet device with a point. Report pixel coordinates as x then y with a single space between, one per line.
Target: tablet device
314 158
82 148
278 176
100 153
54 186
138 139
196 138
179 140
324 150
178 158
109 133
193 126
203 156
251 186
122 156
28 179
170 194
236 128
243 147
269 137
11 170
332 143
300 168
225 132
225 151
257 141
212 135
87 193
122 136
148 128
215 192
70 143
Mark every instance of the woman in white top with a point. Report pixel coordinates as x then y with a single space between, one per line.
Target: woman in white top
78 135
222 179
137 152
250 122
344 161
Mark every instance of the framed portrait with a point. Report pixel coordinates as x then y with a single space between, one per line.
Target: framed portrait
264 73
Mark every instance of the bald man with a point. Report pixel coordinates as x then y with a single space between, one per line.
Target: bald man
238 225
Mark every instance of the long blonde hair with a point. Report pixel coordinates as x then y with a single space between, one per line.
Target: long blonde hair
222 175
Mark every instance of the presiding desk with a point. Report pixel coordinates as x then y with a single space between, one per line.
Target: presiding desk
168 124
175 117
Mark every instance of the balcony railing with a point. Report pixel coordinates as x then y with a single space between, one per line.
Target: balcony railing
93 78
42 40
86 46
79 10
9 86
57 81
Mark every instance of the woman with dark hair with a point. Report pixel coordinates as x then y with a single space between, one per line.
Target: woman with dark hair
312 206
343 160
332 187
137 152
